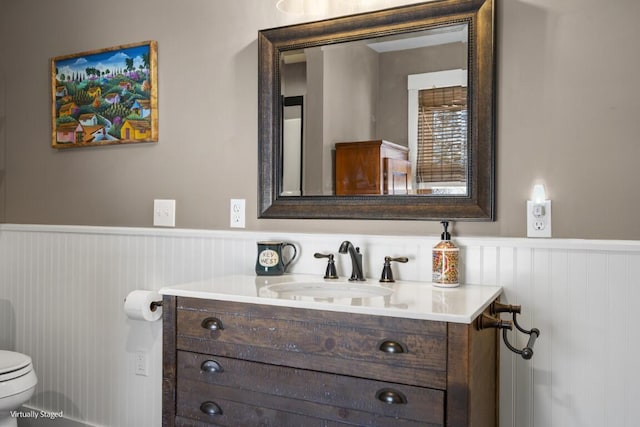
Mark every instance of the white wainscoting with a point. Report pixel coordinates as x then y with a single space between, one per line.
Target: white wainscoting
62 291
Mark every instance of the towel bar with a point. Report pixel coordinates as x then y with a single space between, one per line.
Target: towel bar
493 321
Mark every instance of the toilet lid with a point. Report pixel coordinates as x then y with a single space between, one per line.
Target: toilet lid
11 361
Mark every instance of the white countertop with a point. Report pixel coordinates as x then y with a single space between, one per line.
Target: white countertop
412 300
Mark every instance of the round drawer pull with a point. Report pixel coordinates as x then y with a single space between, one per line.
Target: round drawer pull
391 397
210 408
212 324
211 366
389 346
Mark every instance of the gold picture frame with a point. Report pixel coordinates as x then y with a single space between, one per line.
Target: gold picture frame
105 97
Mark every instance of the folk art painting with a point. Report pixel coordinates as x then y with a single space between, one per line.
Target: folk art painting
106 96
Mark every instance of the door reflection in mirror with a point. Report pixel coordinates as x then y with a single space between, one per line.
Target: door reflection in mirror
292 148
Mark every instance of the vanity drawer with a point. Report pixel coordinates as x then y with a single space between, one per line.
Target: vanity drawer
249 393
399 350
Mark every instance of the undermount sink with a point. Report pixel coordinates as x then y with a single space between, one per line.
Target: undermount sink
328 290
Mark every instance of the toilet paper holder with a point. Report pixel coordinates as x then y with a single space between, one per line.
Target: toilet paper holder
143 305
154 305
493 320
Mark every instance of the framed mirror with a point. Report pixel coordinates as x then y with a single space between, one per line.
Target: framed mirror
380 115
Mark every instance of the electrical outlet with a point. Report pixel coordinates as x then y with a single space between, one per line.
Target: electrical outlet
237 219
539 219
164 213
141 366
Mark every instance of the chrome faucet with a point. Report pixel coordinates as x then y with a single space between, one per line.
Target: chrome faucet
356 260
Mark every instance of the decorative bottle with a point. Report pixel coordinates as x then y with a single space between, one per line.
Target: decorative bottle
445 261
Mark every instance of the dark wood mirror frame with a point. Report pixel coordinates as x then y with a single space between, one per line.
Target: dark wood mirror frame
479 204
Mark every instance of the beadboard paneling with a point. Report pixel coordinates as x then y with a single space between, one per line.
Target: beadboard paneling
62 289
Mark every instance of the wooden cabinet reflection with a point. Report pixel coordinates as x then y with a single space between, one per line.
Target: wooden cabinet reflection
372 167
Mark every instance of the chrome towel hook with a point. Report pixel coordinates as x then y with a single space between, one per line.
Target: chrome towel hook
493 321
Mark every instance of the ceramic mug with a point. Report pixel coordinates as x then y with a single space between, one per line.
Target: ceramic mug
270 260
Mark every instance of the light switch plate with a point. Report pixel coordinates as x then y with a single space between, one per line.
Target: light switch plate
164 213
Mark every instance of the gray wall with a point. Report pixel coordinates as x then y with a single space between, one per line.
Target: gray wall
567 115
351 89
394 69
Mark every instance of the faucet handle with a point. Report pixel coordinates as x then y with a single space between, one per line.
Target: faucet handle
387 274
330 272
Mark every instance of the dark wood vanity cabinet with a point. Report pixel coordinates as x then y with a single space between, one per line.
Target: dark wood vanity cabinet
239 364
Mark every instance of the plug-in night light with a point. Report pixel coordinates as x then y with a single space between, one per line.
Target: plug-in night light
538 195
538 213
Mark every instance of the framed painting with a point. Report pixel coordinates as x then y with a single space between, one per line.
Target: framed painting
104 97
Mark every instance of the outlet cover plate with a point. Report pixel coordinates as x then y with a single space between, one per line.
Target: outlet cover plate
141 364
539 225
237 213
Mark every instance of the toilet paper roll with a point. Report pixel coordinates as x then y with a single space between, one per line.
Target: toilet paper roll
137 306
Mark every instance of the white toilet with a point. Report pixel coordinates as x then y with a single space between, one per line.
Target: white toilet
17 383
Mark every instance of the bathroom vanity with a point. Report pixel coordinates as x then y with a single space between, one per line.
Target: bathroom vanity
286 351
